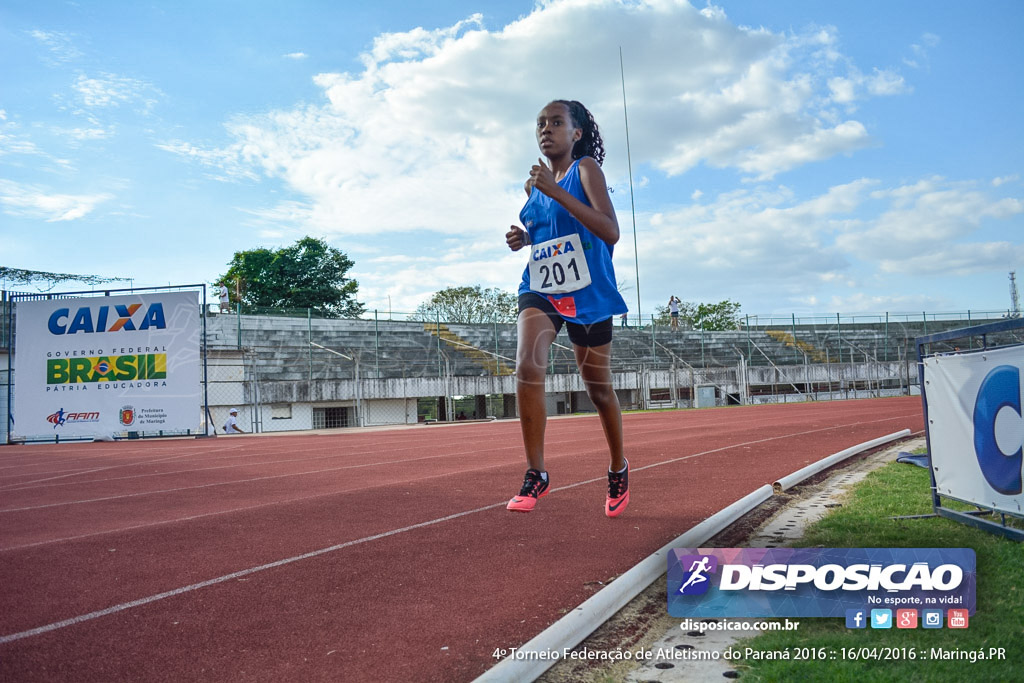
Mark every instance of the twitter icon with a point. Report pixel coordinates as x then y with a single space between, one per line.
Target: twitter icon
881 618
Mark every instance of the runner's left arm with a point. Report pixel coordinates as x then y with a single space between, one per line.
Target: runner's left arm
599 218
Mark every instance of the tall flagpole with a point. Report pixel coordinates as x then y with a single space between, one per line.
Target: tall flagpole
632 205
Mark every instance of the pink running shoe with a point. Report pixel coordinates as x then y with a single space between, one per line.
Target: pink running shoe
618 493
534 487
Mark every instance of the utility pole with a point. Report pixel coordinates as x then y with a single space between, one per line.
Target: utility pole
1014 296
632 202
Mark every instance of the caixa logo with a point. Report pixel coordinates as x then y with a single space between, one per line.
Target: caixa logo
999 429
101 319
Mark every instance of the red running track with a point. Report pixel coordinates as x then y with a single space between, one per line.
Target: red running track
371 555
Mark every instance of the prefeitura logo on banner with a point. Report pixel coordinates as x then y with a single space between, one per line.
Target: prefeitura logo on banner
817 582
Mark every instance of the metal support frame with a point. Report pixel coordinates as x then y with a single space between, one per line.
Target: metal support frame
969 518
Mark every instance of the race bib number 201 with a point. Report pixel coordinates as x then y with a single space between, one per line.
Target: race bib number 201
558 266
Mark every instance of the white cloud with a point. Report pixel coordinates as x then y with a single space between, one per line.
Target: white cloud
110 90
751 236
861 302
11 142
437 127
296 55
59 44
738 243
425 149
927 224
81 134
920 51
855 85
885 82
817 145
411 279
22 200
843 89
417 43
952 260
227 162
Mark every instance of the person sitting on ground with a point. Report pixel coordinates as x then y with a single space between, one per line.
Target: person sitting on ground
231 426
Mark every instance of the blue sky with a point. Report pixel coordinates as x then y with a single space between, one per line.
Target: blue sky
794 156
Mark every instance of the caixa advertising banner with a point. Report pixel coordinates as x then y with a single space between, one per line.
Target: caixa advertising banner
818 582
105 365
975 429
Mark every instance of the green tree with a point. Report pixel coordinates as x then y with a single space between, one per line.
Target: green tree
469 305
307 274
719 317
725 315
21 276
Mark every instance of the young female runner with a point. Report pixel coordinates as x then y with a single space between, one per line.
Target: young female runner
570 227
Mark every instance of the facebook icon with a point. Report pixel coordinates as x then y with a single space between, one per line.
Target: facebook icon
856 618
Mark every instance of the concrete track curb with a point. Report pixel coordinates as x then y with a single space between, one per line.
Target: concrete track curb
796 477
539 654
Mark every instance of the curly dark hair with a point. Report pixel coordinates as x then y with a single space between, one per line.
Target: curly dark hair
591 144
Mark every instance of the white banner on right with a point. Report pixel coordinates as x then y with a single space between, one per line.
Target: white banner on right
976 428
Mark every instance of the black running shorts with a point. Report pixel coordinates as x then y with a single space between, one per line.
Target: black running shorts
596 334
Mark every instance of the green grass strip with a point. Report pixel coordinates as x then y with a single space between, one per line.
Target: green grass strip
865 521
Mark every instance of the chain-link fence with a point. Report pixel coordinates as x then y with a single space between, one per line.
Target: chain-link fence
290 370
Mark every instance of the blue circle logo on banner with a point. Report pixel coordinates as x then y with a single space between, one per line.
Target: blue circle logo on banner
1002 470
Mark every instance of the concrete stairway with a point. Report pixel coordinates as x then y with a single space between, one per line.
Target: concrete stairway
812 352
492 365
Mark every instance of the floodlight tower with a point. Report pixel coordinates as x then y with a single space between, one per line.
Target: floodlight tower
1014 296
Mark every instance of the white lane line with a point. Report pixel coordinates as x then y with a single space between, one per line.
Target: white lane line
232 482
288 501
33 484
246 481
22 486
247 464
176 520
61 474
364 465
323 551
228 577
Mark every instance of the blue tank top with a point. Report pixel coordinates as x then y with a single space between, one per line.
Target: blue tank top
546 220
